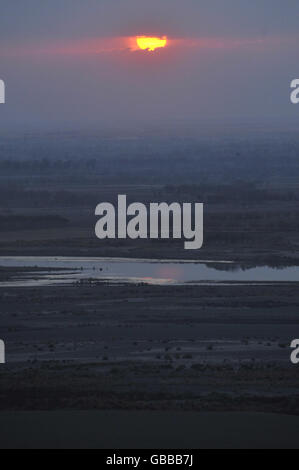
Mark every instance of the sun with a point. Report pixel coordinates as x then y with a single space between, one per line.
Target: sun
150 44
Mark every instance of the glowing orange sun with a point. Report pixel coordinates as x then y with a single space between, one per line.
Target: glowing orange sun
147 43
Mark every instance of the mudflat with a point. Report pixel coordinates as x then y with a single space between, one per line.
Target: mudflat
143 347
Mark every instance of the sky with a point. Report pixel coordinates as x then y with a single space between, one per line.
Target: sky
70 63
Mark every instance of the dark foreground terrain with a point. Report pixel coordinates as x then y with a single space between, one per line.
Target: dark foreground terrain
147 430
138 347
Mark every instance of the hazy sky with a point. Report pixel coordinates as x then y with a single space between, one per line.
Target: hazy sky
65 62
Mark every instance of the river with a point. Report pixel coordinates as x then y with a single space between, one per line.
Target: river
59 270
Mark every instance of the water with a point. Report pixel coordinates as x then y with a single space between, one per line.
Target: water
135 271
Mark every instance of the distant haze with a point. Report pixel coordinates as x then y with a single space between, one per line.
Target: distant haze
65 63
